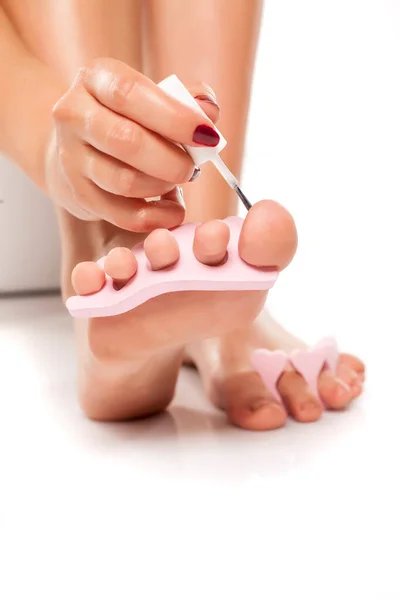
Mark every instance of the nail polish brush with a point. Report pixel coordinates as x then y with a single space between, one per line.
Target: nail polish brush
173 86
230 180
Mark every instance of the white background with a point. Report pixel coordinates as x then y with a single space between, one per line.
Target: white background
28 234
185 506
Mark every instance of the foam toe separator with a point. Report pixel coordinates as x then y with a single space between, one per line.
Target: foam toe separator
187 274
308 363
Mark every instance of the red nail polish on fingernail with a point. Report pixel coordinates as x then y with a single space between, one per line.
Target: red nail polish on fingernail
195 175
208 98
206 136
180 195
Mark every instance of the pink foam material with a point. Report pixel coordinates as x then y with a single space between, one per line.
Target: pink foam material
270 366
186 274
309 363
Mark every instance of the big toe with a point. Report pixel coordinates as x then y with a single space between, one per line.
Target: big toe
268 237
87 278
249 405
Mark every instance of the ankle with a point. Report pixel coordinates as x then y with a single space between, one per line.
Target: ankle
209 197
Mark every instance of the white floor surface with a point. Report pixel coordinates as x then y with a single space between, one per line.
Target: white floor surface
184 504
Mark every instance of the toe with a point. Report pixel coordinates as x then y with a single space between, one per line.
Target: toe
268 237
162 249
354 363
335 393
350 377
300 401
249 405
87 278
121 265
338 389
210 242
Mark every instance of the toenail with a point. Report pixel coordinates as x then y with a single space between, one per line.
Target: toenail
342 392
255 406
262 404
196 174
343 384
309 406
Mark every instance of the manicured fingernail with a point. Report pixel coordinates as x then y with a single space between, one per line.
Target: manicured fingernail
208 98
196 174
206 136
180 195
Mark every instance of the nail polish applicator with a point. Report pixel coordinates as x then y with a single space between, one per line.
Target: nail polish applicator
175 88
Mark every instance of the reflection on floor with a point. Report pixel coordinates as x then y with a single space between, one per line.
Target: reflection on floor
321 496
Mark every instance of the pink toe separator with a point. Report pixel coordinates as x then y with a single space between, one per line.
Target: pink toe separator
270 366
309 363
187 274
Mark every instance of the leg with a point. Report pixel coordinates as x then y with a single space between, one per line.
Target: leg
219 51
195 46
121 388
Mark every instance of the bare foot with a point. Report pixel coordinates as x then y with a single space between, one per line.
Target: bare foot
232 384
129 363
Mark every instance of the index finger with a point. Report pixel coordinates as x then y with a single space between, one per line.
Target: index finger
134 96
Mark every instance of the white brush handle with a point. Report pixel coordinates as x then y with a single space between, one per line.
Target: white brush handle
174 87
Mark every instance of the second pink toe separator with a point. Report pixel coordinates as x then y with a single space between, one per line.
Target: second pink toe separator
309 363
187 274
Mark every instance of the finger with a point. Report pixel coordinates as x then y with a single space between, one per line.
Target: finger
80 114
206 99
118 178
133 214
132 95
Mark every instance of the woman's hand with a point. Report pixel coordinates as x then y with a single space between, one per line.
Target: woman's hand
112 145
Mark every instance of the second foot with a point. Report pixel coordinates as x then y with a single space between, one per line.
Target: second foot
224 364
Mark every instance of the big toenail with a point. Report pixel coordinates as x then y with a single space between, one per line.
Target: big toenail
271 405
258 404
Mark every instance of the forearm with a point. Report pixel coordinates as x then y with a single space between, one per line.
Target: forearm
29 89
